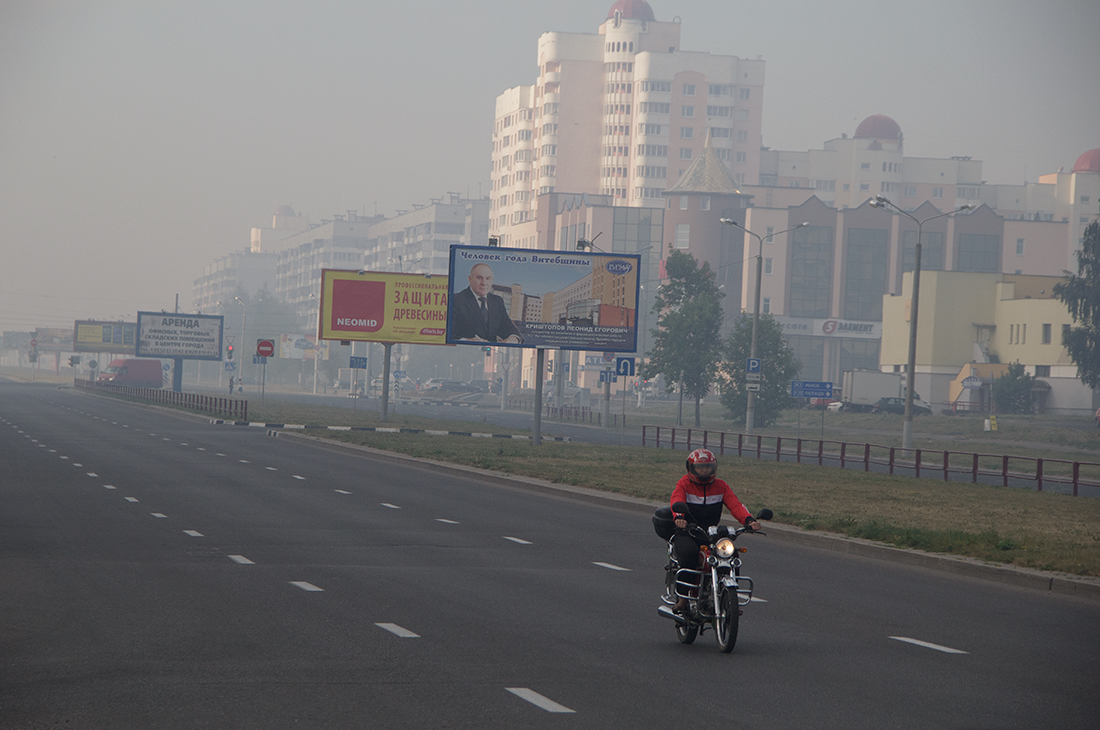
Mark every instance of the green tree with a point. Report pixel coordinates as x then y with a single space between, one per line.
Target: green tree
1012 391
780 367
1081 295
687 341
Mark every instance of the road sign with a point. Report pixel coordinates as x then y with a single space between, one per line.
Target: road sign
753 387
231 366
608 376
259 360
624 365
752 365
752 377
608 356
265 348
811 389
398 373
972 382
358 363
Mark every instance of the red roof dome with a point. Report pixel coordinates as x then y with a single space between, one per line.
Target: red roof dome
634 9
878 126
1088 162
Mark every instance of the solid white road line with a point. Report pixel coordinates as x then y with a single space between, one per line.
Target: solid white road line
192 533
241 560
516 539
390 506
306 586
446 522
609 566
398 631
927 645
538 700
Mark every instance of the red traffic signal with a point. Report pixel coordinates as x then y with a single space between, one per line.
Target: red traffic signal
229 352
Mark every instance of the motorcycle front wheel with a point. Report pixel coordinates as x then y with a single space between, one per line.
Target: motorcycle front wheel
725 624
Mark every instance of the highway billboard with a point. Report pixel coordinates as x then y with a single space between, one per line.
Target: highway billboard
382 306
118 338
184 336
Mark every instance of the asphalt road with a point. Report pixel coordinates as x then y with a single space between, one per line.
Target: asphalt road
158 571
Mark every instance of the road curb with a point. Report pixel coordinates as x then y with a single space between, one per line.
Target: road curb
273 429
1061 583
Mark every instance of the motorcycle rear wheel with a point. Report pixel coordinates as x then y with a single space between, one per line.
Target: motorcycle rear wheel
726 623
686 633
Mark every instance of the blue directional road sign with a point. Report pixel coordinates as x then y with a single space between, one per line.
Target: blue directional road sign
607 376
752 365
624 366
259 360
359 363
811 389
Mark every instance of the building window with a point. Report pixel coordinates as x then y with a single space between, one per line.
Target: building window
689 89
909 191
683 202
1019 247
704 202
720 133
686 132
980 253
1065 333
931 254
1042 371
865 165
745 93
868 260
742 135
811 272
742 157
742 115
1046 334
687 111
1084 199
685 153
937 192
766 303
767 265
683 235
768 235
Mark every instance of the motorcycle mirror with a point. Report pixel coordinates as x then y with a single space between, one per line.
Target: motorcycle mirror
680 508
765 514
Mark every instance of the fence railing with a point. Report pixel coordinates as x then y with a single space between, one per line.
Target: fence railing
235 408
576 414
993 468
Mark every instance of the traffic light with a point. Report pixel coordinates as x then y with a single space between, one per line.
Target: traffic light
74 360
488 351
229 352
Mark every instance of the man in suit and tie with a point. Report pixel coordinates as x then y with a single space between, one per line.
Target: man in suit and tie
479 315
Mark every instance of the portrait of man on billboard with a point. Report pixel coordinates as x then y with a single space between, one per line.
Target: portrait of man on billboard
479 315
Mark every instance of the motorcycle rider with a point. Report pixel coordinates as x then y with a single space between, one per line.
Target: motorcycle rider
704 493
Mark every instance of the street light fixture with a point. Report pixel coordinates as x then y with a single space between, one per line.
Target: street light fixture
750 411
907 426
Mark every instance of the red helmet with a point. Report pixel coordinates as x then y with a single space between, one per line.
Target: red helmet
702 466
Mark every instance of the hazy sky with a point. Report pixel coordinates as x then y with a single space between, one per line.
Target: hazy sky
142 139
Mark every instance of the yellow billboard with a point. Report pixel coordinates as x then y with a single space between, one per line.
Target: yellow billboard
380 306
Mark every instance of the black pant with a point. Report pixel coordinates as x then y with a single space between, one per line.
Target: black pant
686 549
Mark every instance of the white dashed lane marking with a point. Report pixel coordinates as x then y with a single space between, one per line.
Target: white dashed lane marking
131 499
398 631
109 486
609 566
538 700
390 506
298 477
341 491
446 522
193 533
928 645
305 586
158 515
517 540
241 560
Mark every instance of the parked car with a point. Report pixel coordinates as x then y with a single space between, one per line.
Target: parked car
897 405
836 406
433 383
457 386
483 385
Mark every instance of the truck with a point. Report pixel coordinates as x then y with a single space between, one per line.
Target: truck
861 390
133 373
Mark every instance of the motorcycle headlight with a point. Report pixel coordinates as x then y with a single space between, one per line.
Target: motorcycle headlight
724 548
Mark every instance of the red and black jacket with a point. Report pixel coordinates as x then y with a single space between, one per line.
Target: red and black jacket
705 501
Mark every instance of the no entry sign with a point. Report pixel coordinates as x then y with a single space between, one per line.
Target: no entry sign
265 348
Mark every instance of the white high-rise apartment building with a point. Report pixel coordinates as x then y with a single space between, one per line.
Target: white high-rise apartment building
622 113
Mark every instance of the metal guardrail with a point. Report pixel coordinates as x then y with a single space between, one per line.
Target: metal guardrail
235 408
1005 469
576 414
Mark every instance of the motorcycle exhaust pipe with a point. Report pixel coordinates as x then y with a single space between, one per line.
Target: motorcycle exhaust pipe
668 613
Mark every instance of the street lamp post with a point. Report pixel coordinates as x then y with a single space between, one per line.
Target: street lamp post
907 426
244 315
750 411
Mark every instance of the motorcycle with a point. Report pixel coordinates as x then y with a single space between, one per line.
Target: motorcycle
717 592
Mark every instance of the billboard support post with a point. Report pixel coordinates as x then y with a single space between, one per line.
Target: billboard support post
607 403
540 366
385 380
